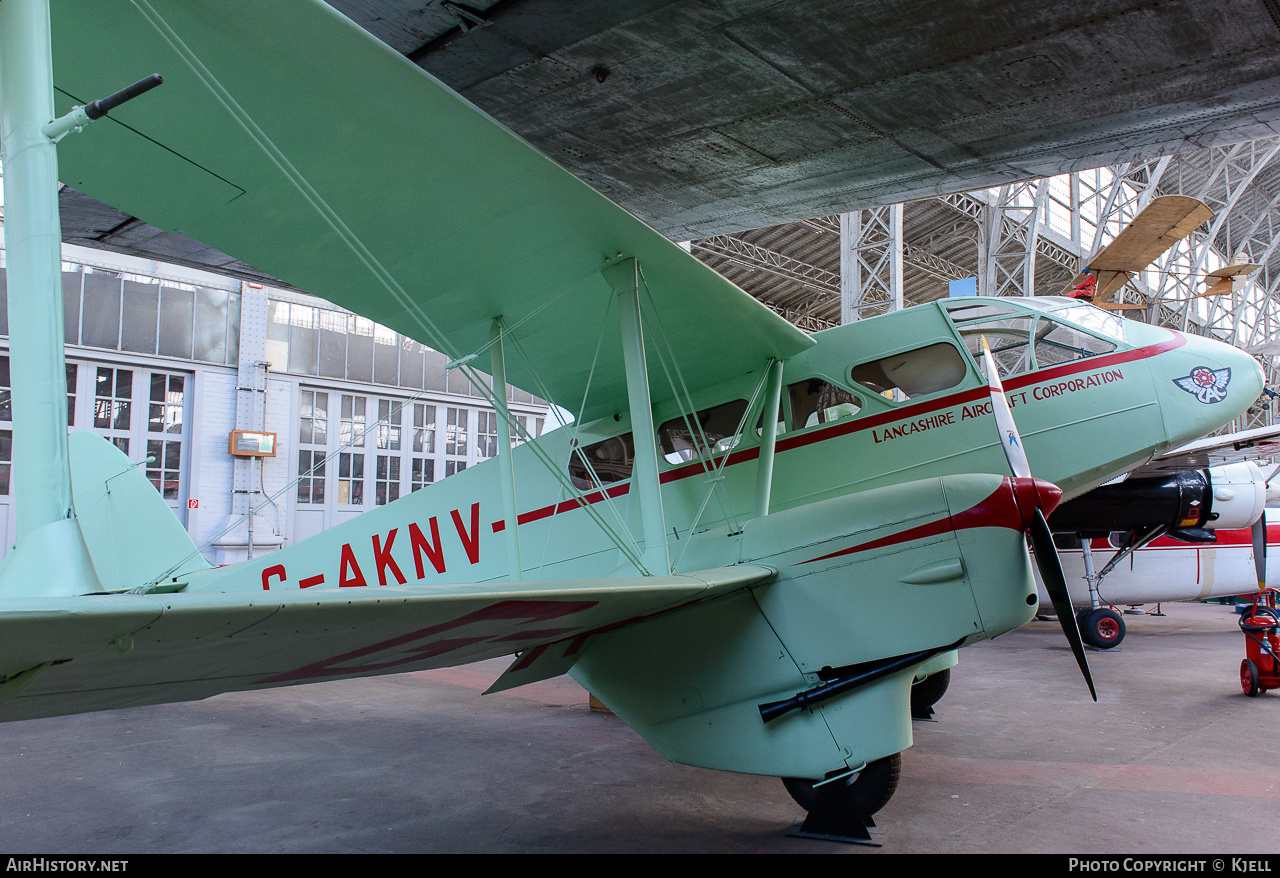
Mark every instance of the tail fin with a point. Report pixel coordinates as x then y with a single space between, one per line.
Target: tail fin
132 535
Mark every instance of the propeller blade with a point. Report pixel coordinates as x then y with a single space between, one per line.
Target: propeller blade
1042 547
1046 555
1259 534
1009 438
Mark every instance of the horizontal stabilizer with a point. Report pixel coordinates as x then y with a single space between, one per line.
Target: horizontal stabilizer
1222 281
105 651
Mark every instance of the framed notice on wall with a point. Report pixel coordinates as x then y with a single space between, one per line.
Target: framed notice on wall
251 443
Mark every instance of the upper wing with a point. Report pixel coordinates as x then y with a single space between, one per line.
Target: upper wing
287 137
99 652
1255 444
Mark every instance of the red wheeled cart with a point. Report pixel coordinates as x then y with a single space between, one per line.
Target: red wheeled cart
1260 671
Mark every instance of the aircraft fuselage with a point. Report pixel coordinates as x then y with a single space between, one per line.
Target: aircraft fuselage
1083 422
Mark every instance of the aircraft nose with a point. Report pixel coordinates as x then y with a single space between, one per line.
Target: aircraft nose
1205 384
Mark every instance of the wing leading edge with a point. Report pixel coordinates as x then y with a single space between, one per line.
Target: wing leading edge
288 138
99 652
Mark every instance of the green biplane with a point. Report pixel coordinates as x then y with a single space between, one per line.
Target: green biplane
748 543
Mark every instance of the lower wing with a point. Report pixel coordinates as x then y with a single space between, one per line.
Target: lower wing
98 652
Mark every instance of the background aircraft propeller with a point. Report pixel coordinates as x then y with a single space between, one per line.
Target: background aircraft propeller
1259 534
1036 494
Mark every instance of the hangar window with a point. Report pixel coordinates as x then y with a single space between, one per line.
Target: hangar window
925 370
602 463
817 401
705 433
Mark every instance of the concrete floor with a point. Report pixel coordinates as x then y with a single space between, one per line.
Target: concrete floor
1173 759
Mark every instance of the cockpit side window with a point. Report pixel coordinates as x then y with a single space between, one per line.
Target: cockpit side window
708 432
1098 321
1026 342
602 463
925 370
1008 338
818 401
1063 343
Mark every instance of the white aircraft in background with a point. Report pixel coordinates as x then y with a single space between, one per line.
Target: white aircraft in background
1190 525
1177 529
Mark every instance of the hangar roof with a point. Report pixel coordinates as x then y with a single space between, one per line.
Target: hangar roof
711 118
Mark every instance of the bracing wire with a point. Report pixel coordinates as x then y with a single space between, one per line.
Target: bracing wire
381 274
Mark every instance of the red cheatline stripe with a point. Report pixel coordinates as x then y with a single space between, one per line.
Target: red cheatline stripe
999 509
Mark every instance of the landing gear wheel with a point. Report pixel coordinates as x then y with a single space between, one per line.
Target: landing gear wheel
1082 622
928 692
1249 679
842 809
1102 628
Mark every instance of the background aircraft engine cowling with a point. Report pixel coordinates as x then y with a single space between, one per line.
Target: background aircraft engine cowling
1239 495
1180 501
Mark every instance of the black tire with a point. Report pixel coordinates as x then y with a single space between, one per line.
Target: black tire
1103 628
1264 613
1082 622
863 793
929 691
1249 678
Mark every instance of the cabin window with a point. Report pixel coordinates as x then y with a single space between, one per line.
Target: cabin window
703 434
929 369
602 463
817 401
978 311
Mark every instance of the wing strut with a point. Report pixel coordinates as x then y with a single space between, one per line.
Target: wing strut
506 469
50 555
624 277
768 438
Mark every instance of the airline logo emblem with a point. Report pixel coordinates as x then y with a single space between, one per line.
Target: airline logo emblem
1205 384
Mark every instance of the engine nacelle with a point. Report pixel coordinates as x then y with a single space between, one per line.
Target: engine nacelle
1188 503
1178 500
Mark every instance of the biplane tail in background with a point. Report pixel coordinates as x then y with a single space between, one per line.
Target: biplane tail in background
749 542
